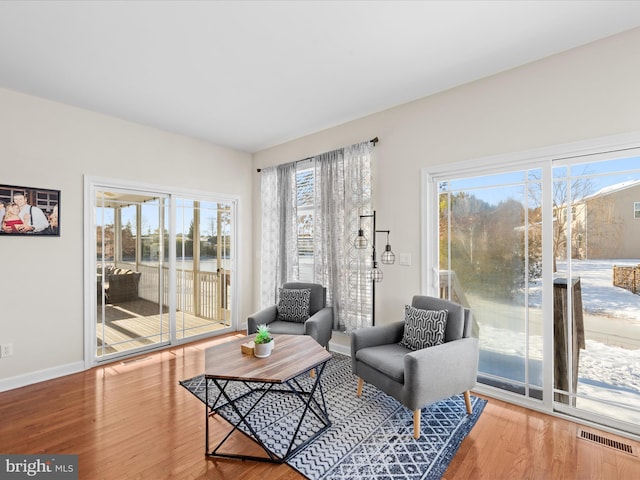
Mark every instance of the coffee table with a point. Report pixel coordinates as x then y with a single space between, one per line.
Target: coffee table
245 384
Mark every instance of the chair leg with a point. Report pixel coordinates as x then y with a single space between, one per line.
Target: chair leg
360 385
416 423
312 373
467 400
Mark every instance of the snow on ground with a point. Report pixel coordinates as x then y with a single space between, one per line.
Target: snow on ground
606 371
599 295
611 374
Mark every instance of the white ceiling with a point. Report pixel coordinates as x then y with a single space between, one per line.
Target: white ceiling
253 74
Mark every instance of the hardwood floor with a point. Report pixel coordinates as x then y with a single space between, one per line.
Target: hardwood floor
133 420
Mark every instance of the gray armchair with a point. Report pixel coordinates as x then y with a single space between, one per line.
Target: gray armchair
421 377
319 325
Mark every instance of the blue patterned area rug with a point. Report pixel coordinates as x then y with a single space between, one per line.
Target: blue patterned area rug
371 437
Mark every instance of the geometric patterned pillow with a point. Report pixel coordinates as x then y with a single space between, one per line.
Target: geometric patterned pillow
293 304
423 328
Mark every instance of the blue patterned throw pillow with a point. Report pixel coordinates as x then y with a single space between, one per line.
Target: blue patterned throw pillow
293 304
423 328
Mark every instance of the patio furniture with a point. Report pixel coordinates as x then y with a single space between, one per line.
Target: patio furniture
417 378
121 285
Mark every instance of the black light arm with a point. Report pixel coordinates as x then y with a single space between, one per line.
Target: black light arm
375 274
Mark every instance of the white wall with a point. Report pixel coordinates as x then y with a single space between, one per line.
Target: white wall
587 92
51 145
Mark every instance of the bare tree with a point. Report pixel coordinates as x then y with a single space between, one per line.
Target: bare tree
567 194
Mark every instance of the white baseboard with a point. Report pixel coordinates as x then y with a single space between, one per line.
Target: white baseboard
62 370
40 376
339 348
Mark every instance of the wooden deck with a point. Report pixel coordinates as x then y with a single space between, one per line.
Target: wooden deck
140 323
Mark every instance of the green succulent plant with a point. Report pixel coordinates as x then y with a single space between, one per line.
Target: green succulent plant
262 334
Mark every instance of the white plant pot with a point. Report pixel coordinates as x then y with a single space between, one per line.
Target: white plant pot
262 350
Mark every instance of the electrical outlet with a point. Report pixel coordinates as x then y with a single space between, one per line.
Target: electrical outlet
6 350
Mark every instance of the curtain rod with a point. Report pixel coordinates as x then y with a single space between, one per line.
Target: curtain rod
373 140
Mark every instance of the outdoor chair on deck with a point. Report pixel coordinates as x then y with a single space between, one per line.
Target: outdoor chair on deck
301 310
397 358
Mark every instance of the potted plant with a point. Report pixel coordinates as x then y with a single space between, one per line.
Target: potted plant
263 341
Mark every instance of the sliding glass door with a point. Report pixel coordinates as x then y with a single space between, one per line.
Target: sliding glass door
548 259
203 266
129 271
163 265
490 259
597 308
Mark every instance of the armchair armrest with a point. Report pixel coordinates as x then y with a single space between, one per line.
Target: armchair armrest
374 336
319 325
264 316
423 373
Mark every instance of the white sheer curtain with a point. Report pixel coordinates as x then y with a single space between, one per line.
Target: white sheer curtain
279 251
342 180
330 229
343 192
357 311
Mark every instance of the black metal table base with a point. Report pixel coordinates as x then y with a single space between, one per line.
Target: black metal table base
311 405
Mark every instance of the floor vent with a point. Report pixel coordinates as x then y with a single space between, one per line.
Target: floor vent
607 442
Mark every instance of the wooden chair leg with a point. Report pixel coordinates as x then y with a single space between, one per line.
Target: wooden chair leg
312 373
360 385
467 400
416 424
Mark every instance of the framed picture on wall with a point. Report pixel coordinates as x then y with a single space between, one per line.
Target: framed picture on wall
29 211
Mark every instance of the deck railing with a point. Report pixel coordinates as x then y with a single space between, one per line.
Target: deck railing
203 294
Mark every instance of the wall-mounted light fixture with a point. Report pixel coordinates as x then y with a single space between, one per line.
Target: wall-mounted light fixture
388 257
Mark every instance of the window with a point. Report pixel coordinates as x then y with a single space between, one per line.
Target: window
305 191
310 214
636 209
